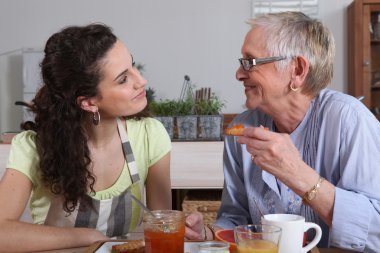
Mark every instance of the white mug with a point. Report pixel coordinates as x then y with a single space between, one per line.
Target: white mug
293 229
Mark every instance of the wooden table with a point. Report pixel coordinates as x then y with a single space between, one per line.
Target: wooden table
93 247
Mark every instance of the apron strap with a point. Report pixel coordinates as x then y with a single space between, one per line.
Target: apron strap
128 154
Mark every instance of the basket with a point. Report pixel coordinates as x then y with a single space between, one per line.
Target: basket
206 203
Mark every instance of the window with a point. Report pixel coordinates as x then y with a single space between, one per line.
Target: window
309 7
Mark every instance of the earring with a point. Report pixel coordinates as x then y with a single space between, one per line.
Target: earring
292 88
96 118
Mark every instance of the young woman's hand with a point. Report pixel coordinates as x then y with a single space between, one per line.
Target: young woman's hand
194 227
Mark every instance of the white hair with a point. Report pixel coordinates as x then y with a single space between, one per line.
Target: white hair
292 34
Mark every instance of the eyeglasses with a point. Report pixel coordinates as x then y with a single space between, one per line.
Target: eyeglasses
248 64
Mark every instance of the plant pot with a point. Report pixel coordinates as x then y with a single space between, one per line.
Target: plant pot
210 127
187 127
168 123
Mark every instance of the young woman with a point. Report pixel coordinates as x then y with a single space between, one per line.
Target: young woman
90 149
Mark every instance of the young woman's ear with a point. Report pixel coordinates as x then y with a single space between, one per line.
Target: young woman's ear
87 104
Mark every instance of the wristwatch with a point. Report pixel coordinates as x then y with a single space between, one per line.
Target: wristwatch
312 193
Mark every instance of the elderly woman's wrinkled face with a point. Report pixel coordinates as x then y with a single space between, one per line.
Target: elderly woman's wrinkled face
265 86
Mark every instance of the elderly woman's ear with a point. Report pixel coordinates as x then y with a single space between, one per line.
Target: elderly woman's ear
300 71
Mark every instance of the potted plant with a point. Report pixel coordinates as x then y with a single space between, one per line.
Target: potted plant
164 111
209 106
210 117
186 121
191 117
176 115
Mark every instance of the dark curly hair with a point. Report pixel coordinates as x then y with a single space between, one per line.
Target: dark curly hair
70 68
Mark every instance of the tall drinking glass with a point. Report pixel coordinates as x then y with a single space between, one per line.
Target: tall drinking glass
257 238
164 232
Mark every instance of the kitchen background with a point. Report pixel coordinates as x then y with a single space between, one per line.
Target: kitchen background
172 38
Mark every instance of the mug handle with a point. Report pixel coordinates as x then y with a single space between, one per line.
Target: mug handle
317 238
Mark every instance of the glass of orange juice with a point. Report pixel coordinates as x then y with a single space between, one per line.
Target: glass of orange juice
164 232
257 238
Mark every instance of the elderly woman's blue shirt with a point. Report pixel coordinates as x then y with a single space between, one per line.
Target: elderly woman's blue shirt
338 137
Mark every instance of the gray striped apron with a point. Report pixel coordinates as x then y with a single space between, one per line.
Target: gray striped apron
112 217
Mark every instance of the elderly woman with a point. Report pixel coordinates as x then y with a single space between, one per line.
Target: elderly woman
320 158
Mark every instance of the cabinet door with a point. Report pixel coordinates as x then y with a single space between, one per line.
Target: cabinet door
363 53
366 66
31 78
31 70
355 57
374 54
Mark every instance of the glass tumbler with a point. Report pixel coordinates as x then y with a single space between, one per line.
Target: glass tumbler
257 238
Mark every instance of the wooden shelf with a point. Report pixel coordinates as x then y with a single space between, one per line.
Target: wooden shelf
363 51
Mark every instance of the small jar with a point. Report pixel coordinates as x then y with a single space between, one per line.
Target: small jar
164 232
214 247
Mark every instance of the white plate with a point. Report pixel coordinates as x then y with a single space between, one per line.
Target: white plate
190 247
107 247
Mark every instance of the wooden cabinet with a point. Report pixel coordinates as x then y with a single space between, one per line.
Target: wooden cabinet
364 52
197 165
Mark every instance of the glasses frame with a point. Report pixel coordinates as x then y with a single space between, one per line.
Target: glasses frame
247 64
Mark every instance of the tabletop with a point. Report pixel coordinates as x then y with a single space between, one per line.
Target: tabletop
92 248
139 235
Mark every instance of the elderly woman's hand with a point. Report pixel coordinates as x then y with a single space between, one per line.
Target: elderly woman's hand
272 152
194 227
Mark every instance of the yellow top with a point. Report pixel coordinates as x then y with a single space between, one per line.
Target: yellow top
149 141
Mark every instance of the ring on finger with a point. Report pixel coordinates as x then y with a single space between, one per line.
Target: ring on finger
252 157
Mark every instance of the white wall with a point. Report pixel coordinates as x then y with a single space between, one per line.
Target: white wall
173 38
